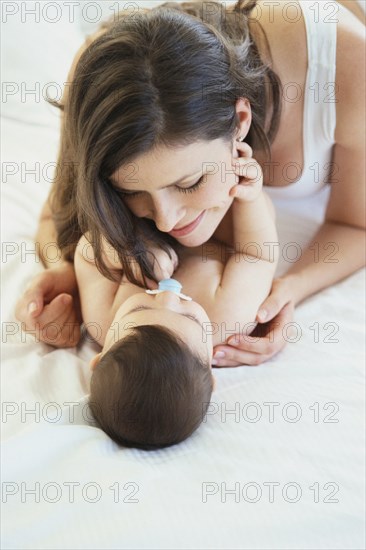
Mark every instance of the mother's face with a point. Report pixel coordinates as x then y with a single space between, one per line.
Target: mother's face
177 187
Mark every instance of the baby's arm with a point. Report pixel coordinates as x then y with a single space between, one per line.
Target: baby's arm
248 274
97 293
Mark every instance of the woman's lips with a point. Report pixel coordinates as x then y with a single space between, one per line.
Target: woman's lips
187 228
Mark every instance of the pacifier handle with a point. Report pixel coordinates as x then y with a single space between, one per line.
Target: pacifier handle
169 284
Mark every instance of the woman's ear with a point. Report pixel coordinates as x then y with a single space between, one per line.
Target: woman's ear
93 363
244 114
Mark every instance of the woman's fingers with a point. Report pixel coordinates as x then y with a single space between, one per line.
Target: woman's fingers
251 360
50 307
269 339
225 356
39 291
272 306
57 324
281 295
30 304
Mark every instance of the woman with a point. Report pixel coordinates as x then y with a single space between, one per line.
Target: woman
246 63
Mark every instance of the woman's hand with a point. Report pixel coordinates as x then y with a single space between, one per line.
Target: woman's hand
270 335
50 308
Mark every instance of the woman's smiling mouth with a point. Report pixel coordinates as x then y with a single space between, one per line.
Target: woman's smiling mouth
187 228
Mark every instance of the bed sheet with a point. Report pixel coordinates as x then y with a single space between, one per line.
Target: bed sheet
278 462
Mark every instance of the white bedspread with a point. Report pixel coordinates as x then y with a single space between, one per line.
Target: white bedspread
279 463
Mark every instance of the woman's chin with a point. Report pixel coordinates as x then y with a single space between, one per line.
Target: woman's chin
195 239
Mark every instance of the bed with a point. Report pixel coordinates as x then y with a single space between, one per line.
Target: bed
278 462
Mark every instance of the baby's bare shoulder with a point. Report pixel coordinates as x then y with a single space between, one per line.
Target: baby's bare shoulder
200 270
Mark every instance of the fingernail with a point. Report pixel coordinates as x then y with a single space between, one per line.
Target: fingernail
213 362
234 342
219 354
32 307
262 314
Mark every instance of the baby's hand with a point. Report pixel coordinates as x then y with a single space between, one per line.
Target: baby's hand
163 266
249 174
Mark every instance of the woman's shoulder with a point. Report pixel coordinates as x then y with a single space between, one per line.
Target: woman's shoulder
285 34
284 26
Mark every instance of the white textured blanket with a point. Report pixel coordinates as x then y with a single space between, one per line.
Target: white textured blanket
278 463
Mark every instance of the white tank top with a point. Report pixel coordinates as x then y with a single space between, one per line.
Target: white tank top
319 117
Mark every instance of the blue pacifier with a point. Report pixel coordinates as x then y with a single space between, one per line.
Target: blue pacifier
169 284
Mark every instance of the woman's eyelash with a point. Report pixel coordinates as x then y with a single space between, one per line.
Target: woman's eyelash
193 188
180 189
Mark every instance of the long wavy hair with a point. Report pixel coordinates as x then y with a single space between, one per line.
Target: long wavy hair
168 76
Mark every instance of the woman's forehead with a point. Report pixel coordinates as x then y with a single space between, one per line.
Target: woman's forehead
184 162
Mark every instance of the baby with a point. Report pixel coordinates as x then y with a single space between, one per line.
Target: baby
152 382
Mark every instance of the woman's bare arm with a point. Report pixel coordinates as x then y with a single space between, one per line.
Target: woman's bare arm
51 298
338 248
46 234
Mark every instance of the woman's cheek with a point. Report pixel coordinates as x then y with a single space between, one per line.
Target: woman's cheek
217 194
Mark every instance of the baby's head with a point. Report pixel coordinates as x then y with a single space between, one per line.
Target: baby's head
152 382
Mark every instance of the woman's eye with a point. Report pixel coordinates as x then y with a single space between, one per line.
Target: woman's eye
180 189
193 188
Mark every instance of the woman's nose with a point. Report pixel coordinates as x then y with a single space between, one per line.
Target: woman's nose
166 216
165 223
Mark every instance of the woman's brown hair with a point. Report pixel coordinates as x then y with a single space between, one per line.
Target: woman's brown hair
169 76
150 390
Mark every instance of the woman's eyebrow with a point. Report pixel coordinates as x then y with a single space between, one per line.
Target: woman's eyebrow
139 308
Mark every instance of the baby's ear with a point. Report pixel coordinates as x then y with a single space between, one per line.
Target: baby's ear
93 363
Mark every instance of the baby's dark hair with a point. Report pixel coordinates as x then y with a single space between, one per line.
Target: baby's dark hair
150 390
